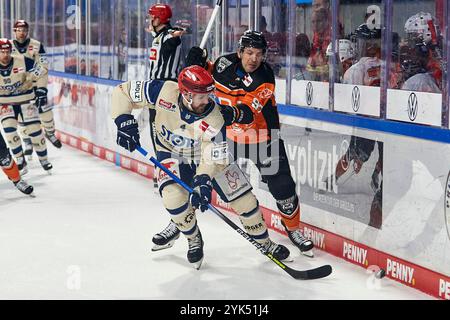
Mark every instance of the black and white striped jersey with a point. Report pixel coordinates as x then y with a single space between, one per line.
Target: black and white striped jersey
165 55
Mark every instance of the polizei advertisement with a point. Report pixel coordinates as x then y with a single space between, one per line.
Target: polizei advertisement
337 173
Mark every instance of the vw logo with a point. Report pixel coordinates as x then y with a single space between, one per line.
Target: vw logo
356 99
309 93
413 106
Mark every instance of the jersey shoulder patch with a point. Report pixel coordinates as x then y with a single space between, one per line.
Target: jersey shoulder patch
222 64
212 124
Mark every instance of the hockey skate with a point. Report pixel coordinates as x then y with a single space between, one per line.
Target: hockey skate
278 251
195 251
300 241
53 139
24 187
166 238
47 166
28 150
22 165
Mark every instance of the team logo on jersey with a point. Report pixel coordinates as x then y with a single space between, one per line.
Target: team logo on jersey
265 94
356 99
248 80
166 105
413 106
153 54
223 64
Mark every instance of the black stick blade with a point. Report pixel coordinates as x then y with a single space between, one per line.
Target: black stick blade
317 273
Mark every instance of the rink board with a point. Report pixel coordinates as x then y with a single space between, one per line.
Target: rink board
412 243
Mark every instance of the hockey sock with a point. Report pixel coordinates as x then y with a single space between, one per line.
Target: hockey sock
12 172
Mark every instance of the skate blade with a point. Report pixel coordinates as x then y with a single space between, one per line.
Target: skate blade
309 253
288 259
49 172
32 195
158 247
197 264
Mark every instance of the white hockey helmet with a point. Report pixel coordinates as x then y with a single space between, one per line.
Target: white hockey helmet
422 26
346 49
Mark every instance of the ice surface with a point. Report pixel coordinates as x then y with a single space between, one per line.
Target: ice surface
87 235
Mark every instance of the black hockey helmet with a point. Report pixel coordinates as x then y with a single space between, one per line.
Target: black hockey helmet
253 39
367 41
364 32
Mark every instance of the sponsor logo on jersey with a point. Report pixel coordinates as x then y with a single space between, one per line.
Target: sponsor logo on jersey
153 54
166 105
171 166
265 94
206 128
17 70
248 80
400 271
6 110
223 64
136 91
355 253
318 238
11 87
219 152
444 289
176 140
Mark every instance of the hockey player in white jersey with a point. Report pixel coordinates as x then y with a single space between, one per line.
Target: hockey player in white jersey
421 54
190 143
33 49
367 71
20 81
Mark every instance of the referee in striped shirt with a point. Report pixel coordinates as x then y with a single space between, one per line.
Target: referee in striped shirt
164 55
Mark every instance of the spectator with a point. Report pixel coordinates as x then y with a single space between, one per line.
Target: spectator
317 65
